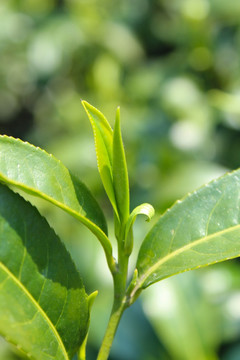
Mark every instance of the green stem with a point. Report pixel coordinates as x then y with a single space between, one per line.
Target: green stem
110 332
119 304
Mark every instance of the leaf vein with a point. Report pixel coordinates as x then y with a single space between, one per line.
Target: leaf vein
39 309
181 250
212 212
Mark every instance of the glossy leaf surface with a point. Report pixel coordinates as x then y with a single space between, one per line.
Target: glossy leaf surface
103 136
43 305
120 173
200 230
36 172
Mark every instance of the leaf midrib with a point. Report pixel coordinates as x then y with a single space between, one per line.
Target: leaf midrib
39 309
186 247
91 225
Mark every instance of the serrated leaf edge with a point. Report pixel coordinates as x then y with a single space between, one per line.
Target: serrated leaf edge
91 225
110 192
185 248
143 278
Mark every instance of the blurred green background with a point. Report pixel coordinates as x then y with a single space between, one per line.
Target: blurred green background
173 67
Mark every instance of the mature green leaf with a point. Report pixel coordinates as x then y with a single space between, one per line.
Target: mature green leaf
103 136
35 171
43 305
120 173
200 230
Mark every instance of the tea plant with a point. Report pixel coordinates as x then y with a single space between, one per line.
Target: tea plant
44 309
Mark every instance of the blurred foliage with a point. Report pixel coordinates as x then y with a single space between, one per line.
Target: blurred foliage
173 67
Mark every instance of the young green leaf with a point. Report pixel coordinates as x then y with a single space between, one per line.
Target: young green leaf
36 172
103 136
200 230
143 209
120 173
43 305
82 349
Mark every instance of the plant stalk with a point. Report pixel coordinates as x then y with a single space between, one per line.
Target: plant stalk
111 331
119 303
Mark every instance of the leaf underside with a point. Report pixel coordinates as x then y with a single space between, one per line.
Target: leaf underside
43 304
200 230
36 172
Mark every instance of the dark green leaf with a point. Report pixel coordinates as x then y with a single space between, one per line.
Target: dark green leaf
43 305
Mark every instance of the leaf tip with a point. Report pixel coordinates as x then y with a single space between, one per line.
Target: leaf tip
117 121
85 105
88 107
150 212
91 298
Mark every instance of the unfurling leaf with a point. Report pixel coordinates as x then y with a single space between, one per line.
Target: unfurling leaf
143 209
